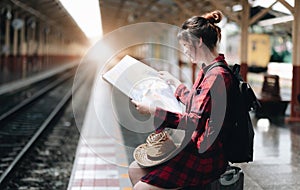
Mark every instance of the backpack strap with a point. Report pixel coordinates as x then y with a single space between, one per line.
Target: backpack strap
253 102
234 71
236 67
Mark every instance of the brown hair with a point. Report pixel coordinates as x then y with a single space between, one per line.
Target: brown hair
204 27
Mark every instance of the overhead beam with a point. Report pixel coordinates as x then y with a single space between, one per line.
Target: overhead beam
66 12
44 18
288 6
37 14
120 8
277 20
261 14
220 6
32 11
143 11
183 8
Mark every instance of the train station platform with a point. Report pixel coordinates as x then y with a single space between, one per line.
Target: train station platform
11 85
102 159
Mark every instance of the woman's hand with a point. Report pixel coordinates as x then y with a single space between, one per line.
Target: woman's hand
144 108
170 79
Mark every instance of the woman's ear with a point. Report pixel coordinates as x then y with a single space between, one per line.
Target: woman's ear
200 42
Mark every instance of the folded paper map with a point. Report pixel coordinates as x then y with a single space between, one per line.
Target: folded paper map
142 83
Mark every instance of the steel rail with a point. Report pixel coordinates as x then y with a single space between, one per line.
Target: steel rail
34 97
36 135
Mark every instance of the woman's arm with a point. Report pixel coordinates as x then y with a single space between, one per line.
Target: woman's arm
186 121
181 92
201 107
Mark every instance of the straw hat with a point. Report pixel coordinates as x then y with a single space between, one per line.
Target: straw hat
159 147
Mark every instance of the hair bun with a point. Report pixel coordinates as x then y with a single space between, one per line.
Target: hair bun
214 16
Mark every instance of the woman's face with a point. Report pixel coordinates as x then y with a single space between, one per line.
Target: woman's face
190 50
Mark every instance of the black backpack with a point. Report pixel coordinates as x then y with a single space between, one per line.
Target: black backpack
238 141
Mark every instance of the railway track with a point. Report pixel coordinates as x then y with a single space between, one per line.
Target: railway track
12 101
23 122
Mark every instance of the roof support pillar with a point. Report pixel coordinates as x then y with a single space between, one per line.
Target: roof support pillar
7 37
22 47
295 101
15 39
22 50
244 37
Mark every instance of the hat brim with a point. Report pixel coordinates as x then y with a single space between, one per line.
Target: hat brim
140 153
141 157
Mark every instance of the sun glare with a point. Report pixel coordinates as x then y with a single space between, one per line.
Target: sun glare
87 15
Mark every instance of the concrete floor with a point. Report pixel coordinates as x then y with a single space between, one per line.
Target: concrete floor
276 162
276 157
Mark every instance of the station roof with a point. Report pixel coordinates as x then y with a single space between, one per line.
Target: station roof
117 13
49 14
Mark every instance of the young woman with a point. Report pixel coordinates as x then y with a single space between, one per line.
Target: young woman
202 160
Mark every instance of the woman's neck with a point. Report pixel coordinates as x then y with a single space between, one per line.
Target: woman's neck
208 56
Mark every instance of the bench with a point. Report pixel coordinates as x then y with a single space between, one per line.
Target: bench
272 105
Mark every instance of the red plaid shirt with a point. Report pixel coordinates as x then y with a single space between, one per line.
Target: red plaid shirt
202 159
